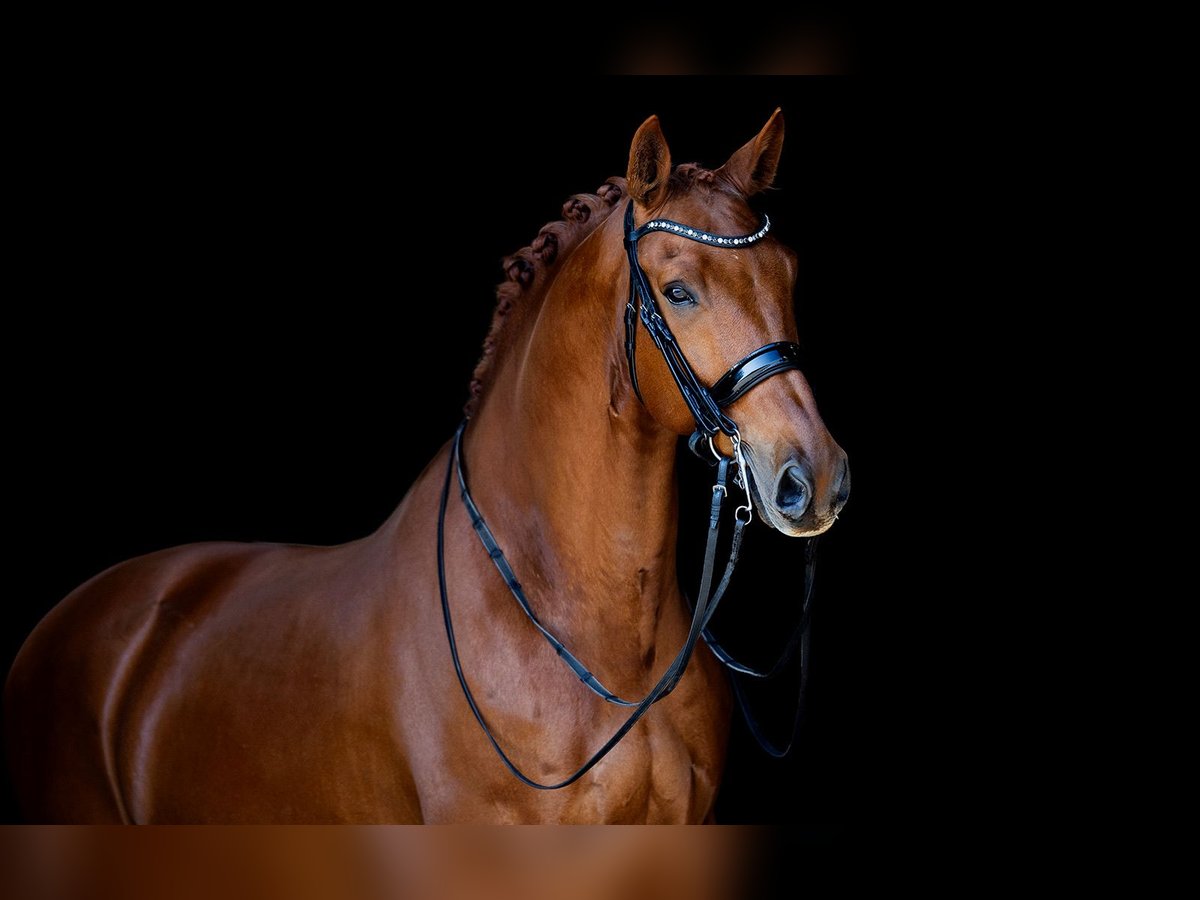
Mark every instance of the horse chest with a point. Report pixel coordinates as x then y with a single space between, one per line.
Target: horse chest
666 770
669 775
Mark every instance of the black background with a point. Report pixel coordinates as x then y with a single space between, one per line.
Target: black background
215 346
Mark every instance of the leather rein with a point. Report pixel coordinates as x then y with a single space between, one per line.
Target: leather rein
706 405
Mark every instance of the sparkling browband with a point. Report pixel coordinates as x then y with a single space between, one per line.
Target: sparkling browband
706 237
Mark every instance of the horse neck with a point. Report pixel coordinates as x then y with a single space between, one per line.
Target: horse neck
574 476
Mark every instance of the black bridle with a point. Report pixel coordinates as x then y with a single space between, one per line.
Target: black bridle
706 405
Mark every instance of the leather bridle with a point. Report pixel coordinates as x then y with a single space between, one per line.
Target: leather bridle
707 408
706 404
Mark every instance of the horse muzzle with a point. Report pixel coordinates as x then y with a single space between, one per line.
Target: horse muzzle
798 502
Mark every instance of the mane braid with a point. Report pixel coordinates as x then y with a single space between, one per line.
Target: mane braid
526 270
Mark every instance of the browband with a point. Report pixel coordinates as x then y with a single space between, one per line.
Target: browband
695 234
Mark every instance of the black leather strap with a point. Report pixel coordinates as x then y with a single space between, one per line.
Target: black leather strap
510 579
756 729
705 606
760 365
798 641
704 403
641 305
694 234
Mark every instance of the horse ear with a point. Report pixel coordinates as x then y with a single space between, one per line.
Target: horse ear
649 165
752 169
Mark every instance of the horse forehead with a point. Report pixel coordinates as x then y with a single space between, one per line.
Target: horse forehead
763 271
712 210
764 268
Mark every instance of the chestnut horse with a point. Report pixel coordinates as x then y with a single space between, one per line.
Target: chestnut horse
226 682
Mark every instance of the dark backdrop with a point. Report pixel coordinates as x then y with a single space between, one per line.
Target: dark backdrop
216 346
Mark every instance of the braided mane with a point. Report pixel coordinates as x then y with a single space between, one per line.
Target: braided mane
527 271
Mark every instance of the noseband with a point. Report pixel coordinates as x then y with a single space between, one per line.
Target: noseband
706 405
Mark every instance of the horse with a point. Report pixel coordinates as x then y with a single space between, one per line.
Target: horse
266 683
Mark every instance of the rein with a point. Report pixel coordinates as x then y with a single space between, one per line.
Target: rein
702 613
706 406
720 490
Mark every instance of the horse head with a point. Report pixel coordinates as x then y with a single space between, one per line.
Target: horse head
721 300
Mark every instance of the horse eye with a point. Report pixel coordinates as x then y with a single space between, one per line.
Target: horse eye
678 294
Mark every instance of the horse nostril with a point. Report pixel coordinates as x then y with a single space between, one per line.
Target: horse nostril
794 492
